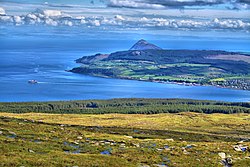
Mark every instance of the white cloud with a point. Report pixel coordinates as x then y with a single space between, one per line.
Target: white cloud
95 23
133 4
2 11
51 13
242 6
119 17
119 22
31 16
51 22
17 20
154 4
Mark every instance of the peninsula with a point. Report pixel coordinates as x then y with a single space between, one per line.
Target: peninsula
147 62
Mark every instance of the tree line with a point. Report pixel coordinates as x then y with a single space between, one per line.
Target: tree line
127 106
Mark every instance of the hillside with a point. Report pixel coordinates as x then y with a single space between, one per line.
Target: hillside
145 61
138 134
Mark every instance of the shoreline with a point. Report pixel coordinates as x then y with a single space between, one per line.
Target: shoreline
161 82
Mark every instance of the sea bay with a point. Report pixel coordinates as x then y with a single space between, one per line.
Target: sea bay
45 57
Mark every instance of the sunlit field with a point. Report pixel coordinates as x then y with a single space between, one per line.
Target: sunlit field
182 139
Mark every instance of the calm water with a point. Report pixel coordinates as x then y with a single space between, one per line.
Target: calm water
45 58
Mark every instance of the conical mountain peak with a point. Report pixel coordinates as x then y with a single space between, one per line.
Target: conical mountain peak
144 45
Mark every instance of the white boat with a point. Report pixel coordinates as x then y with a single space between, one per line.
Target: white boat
33 81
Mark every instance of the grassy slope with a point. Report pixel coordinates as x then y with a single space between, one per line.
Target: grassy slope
209 134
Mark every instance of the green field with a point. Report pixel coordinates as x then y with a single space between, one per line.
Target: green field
189 67
200 74
112 137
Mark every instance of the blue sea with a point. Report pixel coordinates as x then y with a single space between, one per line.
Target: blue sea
44 54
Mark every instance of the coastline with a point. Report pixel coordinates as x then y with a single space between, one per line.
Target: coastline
161 82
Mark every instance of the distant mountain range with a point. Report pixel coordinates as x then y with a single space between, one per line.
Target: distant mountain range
146 61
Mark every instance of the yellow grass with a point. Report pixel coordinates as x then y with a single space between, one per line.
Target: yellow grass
188 122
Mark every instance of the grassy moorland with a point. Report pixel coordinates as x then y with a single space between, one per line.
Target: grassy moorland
117 139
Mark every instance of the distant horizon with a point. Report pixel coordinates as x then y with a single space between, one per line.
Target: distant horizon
204 19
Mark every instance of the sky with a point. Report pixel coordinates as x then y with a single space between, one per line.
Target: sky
226 18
